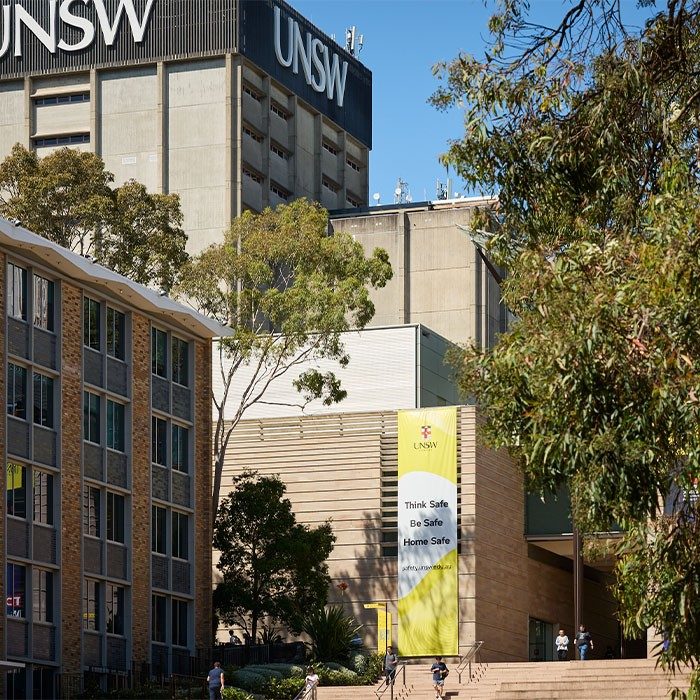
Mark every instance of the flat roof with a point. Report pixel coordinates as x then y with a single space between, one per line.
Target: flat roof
428 205
80 269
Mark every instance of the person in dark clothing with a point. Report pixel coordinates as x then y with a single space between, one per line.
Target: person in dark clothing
215 679
390 663
583 642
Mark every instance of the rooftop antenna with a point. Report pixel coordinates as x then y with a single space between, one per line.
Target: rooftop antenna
353 41
401 193
440 190
376 197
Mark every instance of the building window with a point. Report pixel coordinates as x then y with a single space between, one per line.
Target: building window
91 417
327 146
353 201
43 303
158 618
91 324
16 291
180 361
16 590
115 425
16 391
279 151
42 595
179 623
43 498
179 535
253 134
67 140
115 517
91 605
159 350
115 609
352 164
279 191
158 529
279 111
16 490
115 333
62 99
330 185
180 459
253 176
43 400
91 511
159 440
252 93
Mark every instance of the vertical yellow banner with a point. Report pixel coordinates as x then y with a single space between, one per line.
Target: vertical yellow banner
427 519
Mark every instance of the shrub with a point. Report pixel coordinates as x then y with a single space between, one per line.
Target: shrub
358 663
229 693
264 670
287 670
282 688
332 633
248 680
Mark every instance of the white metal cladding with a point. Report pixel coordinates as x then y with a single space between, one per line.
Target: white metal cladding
382 375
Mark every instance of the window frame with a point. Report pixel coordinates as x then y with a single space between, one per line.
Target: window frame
181 462
116 333
156 422
45 321
92 336
159 632
115 597
12 368
116 426
116 517
179 535
45 494
177 370
46 392
11 497
90 401
179 620
92 511
42 605
159 530
91 599
15 310
156 335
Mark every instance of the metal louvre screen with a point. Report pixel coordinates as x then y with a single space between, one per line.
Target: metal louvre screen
42 36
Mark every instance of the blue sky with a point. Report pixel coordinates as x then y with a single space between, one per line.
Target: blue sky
403 39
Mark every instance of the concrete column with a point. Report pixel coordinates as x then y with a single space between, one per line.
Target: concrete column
578 580
162 131
265 163
95 112
28 113
404 265
318 150
295 180
236 136
342 168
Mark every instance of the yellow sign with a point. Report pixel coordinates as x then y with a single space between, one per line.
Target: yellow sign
383 626
427 563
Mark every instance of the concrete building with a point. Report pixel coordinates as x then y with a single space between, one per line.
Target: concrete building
106 437
440 278
232 104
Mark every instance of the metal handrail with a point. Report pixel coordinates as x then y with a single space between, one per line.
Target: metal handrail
385 685
466 660
306 693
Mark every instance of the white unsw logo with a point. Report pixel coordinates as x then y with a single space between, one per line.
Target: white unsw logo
49 36
312 53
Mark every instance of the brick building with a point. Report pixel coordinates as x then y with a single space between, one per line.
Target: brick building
106 435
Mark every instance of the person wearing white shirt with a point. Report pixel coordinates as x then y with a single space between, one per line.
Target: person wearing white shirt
311 681
562 644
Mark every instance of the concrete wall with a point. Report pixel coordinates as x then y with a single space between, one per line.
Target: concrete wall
439 279
178 127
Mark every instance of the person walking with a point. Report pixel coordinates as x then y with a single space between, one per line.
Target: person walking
390 663
583 642
562 644
215 679
311 682
439 671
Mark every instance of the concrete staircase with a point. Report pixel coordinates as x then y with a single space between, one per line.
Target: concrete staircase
632 679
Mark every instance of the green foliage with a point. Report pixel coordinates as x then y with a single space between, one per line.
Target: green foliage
358 662
271 565
67 197
229 693
331 631
288 290
287 670
588 134
282 688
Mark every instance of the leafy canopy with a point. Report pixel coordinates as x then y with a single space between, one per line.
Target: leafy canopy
272 567
287 290
68 198
588 133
